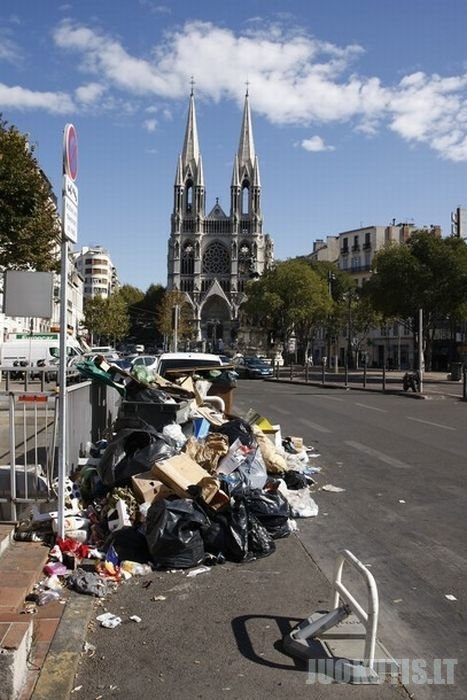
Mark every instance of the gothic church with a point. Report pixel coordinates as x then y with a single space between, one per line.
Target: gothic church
212 256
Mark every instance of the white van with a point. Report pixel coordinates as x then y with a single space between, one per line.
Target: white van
32 348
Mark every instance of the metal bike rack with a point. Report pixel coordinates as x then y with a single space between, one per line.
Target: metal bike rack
346 634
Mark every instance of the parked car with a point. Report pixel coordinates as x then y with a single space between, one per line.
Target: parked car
129 361
185 360
252 367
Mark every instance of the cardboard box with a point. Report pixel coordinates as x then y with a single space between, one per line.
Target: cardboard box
179 472
148 489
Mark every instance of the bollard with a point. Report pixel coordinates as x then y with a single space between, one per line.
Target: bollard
384 377
364 375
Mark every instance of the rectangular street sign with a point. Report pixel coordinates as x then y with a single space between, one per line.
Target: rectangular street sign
70 209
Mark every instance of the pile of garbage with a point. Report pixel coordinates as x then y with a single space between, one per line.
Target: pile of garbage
177 485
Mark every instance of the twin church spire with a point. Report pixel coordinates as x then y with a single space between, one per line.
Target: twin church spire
212 255
189 179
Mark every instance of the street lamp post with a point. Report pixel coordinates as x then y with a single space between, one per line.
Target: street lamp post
331 277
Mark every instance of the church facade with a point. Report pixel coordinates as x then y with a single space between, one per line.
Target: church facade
211 256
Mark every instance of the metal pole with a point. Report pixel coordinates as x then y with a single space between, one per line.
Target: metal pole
421 361
384 367
176 309
62 397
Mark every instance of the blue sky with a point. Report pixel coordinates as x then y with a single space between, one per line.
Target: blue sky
359 111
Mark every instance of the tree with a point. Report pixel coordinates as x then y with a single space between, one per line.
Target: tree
288 301
94 314
428 273
30 227
106 319
175 298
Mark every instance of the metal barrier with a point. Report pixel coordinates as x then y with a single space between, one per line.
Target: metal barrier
346 621
29 439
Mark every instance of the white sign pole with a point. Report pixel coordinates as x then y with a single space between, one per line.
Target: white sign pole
69 232
62 402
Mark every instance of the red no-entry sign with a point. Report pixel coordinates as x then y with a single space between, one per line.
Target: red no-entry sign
70 152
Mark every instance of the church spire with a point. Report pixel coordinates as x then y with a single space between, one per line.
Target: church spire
190 153
189 179
246 148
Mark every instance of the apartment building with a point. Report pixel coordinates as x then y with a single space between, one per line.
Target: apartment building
95 266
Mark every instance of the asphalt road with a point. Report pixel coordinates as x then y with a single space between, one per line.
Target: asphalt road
403 512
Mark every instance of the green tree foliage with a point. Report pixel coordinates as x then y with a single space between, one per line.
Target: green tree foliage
144 316
29 224
106 319
94 312
290 299
428 273
171 299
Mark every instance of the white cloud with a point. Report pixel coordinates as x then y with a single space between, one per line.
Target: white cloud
9 51
21 98
90 93
315 144
294 79
150 124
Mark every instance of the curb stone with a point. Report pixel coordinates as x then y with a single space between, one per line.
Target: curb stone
58 673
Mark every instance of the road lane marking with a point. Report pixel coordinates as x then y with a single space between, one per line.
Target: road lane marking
378 455
429 422
372 408
315 426
330 398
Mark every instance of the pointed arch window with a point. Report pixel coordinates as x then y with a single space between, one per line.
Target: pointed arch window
245 198
188 258
189 196
244 258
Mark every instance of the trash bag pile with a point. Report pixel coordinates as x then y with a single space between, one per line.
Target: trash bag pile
179 484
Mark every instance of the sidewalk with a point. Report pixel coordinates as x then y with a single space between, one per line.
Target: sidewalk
236 612
435 384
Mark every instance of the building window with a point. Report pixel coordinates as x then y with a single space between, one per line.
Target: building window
216 259
188 258
245 197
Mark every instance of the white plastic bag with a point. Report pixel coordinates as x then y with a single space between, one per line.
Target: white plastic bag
302 504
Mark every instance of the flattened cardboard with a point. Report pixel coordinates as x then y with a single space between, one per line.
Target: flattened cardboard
179 472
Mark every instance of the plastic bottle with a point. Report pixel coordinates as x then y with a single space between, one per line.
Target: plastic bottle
135 568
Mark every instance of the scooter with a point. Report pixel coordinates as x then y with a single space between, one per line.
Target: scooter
411 380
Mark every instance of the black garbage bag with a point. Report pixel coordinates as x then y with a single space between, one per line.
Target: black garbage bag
295 480
227 532
260 542
130 544
237 533
173 533
272 510
237 428
133 452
